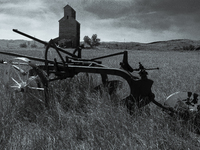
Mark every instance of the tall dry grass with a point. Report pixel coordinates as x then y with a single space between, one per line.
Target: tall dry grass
83 119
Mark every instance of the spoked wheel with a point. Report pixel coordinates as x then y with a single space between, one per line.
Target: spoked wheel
26 79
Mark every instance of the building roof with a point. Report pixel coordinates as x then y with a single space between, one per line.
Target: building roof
68 7
64 16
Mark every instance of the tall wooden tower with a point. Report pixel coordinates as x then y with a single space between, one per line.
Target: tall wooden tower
69 28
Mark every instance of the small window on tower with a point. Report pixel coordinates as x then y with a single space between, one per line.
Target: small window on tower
67 17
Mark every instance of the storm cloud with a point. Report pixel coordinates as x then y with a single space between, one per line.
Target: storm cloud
146 14
111 20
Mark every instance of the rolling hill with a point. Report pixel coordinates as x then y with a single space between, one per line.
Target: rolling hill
177 44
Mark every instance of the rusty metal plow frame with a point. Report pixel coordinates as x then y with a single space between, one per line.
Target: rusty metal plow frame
72 64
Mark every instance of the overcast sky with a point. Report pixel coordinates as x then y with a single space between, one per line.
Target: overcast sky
112 20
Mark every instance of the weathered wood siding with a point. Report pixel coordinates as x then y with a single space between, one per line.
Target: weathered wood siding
69 28
68 11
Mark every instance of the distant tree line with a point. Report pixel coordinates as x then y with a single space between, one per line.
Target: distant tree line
25 45
93 41
189 48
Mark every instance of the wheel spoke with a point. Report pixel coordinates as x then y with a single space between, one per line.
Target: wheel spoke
20 70
16 81
36 97
14 86
21 76
36 88
31 79
17 73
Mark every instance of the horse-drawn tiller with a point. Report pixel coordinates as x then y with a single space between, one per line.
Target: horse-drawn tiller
23 75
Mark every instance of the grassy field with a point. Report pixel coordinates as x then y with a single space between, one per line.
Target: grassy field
81 119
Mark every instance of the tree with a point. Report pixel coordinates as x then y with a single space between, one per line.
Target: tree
23 45
93 41
33 45
87 40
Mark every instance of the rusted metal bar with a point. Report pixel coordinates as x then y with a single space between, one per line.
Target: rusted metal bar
120 53
64 51
43 42
100 70
31 37
29 57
